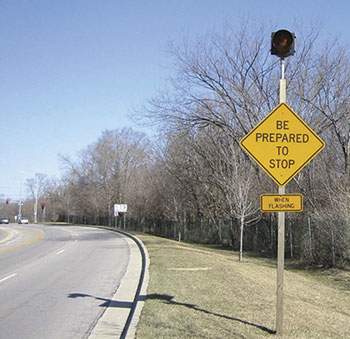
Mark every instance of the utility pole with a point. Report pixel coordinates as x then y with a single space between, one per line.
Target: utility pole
20 202
36 198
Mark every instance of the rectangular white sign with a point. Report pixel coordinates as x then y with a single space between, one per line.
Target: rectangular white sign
122 208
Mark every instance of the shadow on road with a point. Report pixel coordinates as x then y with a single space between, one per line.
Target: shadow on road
106 302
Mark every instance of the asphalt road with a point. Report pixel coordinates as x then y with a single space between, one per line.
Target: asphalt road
56 281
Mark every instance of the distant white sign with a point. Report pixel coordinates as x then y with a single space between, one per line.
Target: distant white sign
120 208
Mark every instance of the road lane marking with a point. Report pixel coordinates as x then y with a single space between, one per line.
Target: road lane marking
59 252
10 234
41 235
8 277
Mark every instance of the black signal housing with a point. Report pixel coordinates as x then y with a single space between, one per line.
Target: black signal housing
282 43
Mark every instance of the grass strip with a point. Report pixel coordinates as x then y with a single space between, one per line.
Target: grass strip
198 291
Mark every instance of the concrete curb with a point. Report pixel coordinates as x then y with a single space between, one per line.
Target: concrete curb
122 316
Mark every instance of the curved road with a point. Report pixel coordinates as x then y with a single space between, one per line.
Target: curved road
56 281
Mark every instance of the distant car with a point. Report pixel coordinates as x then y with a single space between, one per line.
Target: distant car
4 221
23 221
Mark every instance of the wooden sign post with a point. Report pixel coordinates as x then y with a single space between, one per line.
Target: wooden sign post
282 144
281 234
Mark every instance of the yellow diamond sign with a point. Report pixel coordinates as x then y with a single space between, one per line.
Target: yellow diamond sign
282 144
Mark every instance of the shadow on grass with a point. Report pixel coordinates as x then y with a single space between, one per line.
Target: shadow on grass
169 300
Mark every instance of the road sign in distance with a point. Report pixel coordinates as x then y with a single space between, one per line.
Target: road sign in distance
122 208
282 144
281 203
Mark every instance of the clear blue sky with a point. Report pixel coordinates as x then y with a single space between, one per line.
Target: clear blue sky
72 68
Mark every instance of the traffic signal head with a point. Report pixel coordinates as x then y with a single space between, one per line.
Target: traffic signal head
282 43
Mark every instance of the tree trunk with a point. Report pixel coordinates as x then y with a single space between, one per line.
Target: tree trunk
241 240
109 213
256 238
291 239
272 237
310 238
185 226
201 226
333 248
232 234
347 158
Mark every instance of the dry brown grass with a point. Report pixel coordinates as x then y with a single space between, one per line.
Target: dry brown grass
204 292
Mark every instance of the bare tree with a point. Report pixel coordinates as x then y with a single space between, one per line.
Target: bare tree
224 84
107 170
32 185
237 182
324 87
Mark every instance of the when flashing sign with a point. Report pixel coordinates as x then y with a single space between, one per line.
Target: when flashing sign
281 203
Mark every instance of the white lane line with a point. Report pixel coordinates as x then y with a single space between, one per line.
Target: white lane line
59 252
8 277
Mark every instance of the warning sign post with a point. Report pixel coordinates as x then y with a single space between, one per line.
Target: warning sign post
282 144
